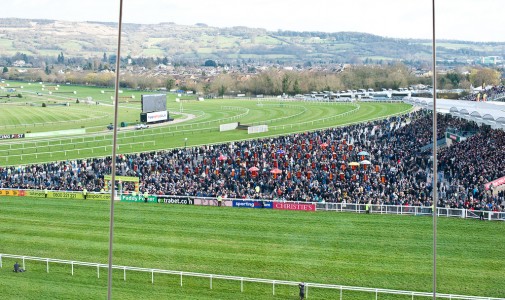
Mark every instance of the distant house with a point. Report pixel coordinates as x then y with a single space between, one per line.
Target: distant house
491 60
19 63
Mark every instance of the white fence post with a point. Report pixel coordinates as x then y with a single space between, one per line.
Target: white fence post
340 293
273 287
181 278
241 284
72 268
98 271
47 265
152 277
124 274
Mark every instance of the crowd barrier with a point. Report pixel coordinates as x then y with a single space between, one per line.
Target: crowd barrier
271 204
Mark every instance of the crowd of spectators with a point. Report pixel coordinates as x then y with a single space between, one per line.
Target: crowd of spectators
381 162
486 94
467 166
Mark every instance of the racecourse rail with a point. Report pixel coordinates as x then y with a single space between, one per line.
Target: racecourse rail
192 131
8 152
273 282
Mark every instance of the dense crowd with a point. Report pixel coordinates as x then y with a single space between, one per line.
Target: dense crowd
469 165
380 162
487 94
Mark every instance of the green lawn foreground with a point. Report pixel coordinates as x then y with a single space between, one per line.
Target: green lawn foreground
380 251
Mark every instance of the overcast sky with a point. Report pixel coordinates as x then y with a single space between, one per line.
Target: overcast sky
473 20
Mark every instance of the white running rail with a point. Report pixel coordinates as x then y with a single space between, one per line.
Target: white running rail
342 288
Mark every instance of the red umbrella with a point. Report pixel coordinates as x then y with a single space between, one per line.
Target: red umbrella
276 171
253 169
221 157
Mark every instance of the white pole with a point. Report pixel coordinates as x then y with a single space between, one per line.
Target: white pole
434 191
116 105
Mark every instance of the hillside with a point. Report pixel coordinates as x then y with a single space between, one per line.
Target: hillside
200 42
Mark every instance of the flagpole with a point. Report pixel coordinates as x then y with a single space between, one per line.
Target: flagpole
434 189
114 149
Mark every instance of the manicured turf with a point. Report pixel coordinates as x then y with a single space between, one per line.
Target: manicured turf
336 248
281 117
382 251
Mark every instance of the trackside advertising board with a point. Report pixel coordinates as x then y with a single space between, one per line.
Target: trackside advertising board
54 194
252 204
15 193
294 206
175 200
12 136
139 198
157 116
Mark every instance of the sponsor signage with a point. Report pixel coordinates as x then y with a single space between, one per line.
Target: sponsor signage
54 194
294 206
12 136
14 193
211 202
138 198
98 196
252 204
454 137
176 200
157 116
68 195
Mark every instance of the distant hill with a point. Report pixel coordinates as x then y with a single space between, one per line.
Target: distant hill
199 42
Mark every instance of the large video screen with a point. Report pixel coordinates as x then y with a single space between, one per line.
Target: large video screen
152 103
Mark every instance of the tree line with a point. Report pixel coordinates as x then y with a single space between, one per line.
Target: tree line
272 81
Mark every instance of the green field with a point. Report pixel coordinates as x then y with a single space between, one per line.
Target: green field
201 120
380 251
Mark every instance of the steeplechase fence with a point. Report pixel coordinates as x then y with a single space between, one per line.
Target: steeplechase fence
273 283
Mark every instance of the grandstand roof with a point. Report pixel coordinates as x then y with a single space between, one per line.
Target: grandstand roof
489 113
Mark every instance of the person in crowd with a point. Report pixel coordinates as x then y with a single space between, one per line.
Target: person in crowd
486 94
146 196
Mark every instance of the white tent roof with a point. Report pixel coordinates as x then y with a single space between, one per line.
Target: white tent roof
490 113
